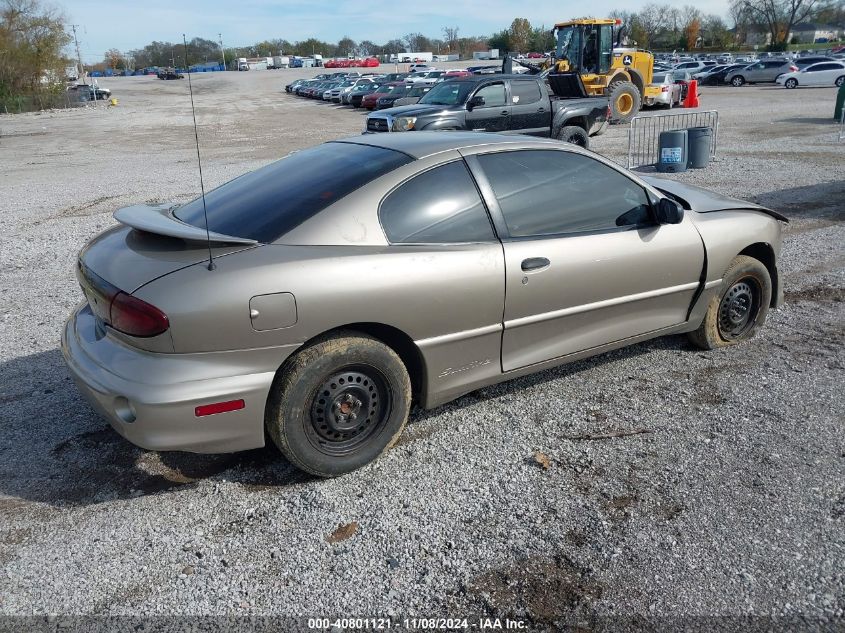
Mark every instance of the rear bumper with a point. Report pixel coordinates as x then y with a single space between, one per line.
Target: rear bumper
150 398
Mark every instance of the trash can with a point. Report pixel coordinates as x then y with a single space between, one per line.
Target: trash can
672 148
840 103
698 146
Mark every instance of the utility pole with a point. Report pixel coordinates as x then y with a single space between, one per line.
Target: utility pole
80 68
223 50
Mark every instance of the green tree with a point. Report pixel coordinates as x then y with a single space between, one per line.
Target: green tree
32 37
519 35
500 40
346 46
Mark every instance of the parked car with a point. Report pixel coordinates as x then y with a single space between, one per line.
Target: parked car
454 74
88 92
370 101
416 93
505 103
293 85
169 73
395 76
359 92
766 71
693 66
179 355
820 74
809 60
396 92
716 75
429 78
420 67
670 90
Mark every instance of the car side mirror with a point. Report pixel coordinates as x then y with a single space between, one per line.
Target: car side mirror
475 102
669 212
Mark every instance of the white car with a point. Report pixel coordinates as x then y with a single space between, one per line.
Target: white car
427 78
820 74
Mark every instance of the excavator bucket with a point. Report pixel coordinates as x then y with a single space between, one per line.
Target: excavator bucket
567 85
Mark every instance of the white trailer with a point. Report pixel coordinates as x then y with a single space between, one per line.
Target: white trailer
493 53
281 61
406 58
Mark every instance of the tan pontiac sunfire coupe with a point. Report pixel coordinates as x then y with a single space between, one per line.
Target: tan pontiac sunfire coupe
355 277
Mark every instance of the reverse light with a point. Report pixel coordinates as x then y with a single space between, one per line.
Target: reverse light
219 407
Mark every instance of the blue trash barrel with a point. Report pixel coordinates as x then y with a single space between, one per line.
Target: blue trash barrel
672 151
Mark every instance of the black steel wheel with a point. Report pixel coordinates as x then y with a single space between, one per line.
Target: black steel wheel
339 403
739 309
348 408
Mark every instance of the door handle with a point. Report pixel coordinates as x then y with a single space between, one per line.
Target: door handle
504 112
541 110
535 263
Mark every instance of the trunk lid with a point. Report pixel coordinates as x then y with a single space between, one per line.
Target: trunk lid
149 244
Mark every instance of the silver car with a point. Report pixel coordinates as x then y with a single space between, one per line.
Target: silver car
764 71
670 89
330 290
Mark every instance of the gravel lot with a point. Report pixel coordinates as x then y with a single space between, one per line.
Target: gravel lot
732 504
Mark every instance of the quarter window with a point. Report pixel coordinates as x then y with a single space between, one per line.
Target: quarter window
543 192
439 206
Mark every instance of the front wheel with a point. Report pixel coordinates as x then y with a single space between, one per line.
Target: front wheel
738 81
738 311
791 83
625 101
575 135
839 81
339 404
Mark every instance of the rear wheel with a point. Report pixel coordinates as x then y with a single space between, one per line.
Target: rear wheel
575 135
791 83
738 311
625 101
839 81
339 404
738 81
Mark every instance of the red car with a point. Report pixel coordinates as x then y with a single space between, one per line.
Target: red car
370 101
452 74
535 55
370 62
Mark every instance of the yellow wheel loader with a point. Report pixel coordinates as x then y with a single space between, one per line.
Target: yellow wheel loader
587 49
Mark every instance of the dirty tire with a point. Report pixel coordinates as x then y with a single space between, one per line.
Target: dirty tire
575 135
746 278
625 101
305 412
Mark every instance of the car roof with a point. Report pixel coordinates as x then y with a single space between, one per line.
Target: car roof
421 144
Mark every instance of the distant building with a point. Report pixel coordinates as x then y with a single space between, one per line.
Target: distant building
809 32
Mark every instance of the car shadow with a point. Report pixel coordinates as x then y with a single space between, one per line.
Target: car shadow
59 451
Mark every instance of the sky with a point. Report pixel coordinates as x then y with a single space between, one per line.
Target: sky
127 25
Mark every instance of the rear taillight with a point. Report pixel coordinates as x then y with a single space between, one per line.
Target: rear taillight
135 317
121 311
794 69
664 89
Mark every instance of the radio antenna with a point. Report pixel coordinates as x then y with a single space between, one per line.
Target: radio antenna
211 265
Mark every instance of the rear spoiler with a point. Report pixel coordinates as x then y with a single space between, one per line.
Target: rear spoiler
159 219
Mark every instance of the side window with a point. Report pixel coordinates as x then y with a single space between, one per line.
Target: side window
525 92
494 95
547 192
439 206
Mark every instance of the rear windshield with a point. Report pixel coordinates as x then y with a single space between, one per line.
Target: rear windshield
266 203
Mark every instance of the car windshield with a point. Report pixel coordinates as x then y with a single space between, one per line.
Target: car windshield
266 203
418 91
448 93
659 79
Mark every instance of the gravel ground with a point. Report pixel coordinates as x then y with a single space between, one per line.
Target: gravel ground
731 505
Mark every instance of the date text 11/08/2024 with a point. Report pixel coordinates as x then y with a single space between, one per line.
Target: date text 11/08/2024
418 624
